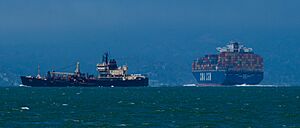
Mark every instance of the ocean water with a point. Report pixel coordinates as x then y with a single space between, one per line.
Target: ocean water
225 107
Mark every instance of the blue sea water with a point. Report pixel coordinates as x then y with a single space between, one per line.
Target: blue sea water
224 107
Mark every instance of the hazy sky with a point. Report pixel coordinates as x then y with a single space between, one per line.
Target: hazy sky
68 15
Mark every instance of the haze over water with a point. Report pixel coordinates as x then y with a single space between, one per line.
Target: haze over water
160 38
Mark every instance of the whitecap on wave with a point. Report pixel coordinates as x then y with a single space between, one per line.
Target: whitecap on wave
246 85
21 85
24 108
189 85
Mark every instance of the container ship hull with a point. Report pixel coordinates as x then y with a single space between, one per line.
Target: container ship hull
235 64
114 82
227 78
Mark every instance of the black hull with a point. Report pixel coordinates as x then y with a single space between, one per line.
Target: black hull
105 82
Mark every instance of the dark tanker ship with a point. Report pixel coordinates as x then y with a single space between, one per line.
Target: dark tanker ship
109 75
233 65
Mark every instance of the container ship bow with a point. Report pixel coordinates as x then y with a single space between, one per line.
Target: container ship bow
233 65
109 75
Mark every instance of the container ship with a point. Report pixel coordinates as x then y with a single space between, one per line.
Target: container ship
234 64
109 75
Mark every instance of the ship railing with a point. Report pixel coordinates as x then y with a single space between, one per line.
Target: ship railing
62 73
241 70
136 76
247 70
209 70
140 75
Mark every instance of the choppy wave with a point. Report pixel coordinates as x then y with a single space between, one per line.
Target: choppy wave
216 107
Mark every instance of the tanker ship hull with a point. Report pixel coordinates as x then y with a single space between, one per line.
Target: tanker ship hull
227 78
109 75
107 82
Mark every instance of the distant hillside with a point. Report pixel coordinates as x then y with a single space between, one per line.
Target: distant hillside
8 78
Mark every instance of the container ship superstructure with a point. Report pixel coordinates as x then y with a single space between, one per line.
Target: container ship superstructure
109 75
235 64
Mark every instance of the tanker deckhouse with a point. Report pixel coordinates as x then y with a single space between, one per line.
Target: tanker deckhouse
233 65
109 75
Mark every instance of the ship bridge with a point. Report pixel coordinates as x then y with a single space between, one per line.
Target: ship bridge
236 47
109 68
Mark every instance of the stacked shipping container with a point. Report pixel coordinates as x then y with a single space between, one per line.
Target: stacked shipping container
235 60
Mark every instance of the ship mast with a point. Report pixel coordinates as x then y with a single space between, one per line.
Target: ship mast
77 70
39 73
105 58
